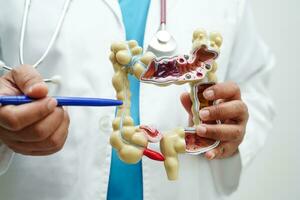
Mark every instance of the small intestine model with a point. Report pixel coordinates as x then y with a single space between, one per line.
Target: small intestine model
198 69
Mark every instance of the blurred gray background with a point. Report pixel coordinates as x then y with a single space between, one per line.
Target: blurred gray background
275 173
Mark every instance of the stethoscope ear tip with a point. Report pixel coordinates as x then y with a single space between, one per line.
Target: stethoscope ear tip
56 79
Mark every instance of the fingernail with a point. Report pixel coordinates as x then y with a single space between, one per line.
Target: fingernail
52 103
204 114
210 155
208 94
201 130
35 85
30 89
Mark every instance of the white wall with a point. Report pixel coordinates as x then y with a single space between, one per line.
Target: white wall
275 173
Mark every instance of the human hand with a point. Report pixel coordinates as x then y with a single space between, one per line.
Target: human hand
38 128
230 110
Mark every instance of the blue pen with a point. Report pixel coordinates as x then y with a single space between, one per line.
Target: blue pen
62 101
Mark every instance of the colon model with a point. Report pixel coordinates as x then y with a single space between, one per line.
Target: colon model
131 141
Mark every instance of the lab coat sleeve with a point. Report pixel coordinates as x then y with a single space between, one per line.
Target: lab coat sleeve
250 67
6 154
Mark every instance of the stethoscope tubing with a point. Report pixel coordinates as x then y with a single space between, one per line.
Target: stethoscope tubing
53 38
163 12
57 30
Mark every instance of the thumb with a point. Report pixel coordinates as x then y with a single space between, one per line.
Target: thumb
186 102
29 81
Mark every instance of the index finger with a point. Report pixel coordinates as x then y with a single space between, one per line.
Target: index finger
29 81
15 118
227 90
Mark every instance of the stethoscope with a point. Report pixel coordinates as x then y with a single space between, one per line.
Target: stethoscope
162 43
56 78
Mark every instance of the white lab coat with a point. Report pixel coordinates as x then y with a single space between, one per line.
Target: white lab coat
80 55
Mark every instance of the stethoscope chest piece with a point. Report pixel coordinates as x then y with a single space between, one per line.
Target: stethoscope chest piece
163 43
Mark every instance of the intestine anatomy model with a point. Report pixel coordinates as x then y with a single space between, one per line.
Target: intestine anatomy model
197 69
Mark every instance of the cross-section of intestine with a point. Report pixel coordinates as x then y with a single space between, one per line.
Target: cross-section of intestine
198 69
180 69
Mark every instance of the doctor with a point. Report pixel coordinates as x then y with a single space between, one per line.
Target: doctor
84 165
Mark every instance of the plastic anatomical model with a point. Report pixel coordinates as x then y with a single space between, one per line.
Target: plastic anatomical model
197 69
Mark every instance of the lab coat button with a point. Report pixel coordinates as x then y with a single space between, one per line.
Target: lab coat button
105 123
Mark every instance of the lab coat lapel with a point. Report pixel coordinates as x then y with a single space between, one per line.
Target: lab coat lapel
152 22
115 8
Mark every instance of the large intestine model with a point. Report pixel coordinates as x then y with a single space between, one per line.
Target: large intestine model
197 69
